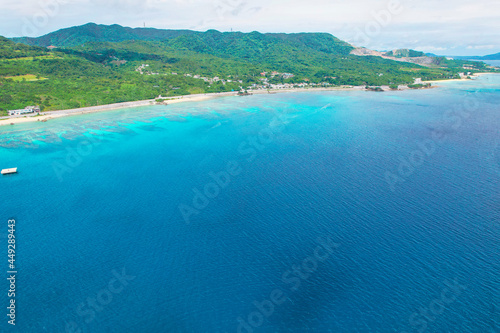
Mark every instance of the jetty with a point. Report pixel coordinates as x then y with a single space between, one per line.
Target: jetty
9 171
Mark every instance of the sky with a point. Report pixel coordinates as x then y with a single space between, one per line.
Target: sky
446 27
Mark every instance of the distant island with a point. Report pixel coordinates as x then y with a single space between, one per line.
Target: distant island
93 65
495 56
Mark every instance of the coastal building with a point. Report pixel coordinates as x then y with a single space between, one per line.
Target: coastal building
418 81
28 109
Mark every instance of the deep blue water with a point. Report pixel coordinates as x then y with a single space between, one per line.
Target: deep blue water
405 183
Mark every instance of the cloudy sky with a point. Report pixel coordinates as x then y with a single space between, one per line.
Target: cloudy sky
447 27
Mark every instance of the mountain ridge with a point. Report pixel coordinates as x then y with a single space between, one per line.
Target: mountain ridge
91 32
495 56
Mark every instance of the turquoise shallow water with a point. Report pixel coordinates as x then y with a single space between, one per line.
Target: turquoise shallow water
206 217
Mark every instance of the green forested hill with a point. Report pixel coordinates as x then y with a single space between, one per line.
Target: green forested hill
10 50
92 32
194 40
95 65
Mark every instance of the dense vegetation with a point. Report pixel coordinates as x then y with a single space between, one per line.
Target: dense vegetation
92 32
96 65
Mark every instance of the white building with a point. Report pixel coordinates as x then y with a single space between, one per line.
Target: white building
28 109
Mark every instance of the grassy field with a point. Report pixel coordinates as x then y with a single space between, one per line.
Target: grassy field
50 56
27 77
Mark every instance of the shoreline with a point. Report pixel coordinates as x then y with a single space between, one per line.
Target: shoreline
48 115
474 76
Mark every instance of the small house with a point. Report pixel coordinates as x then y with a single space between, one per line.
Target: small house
28 109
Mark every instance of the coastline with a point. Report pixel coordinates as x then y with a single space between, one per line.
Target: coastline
46 116
475 76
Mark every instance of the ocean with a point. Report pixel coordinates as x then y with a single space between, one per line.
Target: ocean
337 211
495 63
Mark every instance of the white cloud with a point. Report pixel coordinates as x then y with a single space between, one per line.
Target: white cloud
481 47
443 25
429 48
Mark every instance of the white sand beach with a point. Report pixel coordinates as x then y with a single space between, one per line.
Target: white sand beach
46 116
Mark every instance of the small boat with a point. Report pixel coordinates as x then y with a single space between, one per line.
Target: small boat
9 171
